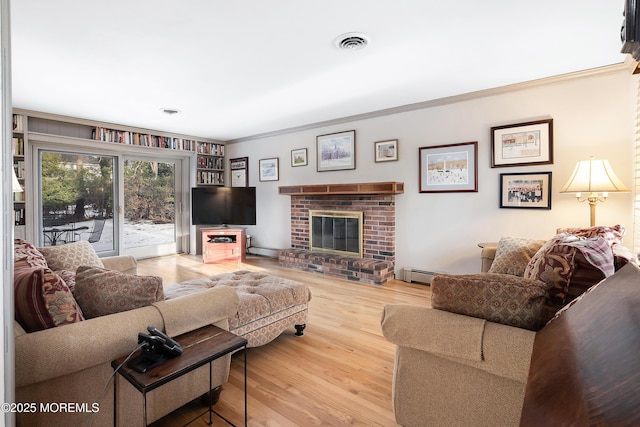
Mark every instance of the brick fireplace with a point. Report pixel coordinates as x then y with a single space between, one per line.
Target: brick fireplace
377 203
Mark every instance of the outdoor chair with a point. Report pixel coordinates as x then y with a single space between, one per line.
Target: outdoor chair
96 231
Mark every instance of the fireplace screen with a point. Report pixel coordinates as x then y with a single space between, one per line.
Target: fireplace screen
337 232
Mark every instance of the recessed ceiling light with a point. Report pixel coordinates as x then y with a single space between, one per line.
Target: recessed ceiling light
351 41
170 111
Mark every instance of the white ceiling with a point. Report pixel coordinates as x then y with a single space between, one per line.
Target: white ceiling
238 68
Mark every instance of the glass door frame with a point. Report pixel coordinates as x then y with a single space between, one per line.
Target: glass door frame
181 223
183 182
36 191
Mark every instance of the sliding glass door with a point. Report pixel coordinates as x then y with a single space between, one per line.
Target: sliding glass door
77 199
150 209
121 204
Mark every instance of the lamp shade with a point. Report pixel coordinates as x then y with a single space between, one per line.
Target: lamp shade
594 176
17 188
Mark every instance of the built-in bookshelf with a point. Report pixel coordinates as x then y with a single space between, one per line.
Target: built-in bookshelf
142 139
41 128
18 147
210 163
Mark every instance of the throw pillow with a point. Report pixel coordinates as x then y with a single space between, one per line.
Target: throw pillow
499 298
613 234
553 265
593 262
621 256
100 292
25 251
513 254
584 276
71 256
69 278
42 300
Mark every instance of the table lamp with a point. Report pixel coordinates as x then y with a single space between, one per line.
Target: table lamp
597 179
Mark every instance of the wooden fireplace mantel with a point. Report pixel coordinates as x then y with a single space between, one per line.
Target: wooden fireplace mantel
355 188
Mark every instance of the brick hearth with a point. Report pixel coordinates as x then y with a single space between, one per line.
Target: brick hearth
378 262
343 267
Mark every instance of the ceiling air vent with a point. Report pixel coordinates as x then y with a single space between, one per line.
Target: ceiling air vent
352 41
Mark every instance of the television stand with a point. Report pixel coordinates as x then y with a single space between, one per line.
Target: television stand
223 244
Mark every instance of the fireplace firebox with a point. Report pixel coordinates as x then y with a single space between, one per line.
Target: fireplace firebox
338 232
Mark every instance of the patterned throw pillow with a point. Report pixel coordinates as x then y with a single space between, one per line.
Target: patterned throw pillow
570 264
69 278
42 300
584 276
25 251
71 256
100 292
553 265
513 254
613 235
499 298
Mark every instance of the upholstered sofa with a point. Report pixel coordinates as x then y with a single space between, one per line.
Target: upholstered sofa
62 360
465 360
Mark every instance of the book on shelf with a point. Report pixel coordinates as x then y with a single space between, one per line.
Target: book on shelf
18 196
210 178
141 139
18 167
18 125
17 146
210 148
18 216
216 163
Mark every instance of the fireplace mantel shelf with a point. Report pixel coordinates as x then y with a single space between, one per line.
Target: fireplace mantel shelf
355 188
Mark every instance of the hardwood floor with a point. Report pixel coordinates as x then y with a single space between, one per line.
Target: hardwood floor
338 373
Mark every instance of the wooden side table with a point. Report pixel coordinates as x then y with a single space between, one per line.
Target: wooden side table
201 346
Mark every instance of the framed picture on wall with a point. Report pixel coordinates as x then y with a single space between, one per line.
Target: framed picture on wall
299 157
449 168
336 151
522 144
239 172
525 190
386 151
269 169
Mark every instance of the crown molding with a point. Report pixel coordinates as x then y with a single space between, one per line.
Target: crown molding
626 65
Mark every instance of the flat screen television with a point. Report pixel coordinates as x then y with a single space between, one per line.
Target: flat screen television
223 206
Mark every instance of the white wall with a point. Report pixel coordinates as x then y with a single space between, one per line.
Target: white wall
593 115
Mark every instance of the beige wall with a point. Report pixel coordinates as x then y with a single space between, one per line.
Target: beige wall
593 115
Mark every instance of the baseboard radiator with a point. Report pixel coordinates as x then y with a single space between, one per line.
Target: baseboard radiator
267 252
412 274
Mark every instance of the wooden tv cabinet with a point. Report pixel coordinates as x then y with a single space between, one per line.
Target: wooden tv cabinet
223 244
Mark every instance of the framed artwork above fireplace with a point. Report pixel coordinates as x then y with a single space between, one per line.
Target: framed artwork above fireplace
336 151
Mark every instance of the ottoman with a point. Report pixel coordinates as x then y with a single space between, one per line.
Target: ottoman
268 304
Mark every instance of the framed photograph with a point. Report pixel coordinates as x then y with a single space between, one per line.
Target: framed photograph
522 144
299 157
449 168
386 151
269 169
239 172
525 190
336 151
